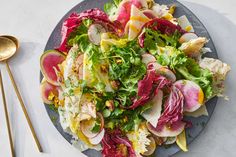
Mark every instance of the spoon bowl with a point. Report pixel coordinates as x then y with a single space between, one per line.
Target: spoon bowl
14 39
7 48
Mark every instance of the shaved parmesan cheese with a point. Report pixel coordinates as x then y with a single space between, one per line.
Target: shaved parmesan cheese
137 20
202 111
152 115
185 24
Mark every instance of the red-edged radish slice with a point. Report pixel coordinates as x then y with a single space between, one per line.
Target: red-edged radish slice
187 37
152 115
46 88
154 65
94 33
99 115
185 24
166 131
164 71
87 125
151 147
148 58
49 62
97 139
193 94
150 14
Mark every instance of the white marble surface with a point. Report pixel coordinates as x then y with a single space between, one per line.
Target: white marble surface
32 22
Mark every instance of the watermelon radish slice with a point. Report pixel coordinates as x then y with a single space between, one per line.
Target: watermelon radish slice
166 131
48 61
187 37
97 139
193 94
46 88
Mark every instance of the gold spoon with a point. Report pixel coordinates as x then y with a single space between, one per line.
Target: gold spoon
7 49
7 117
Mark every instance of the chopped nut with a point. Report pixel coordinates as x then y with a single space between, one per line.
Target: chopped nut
110 104
115 84
118 61
104 68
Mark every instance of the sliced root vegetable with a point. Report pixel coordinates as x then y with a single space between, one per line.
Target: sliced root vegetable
48 62
154 65
185 24
202 111
148 58
181 141
97 139
166 131
94 33
170 140
164 71
193 94
151 147
150 14
87 126
187 37
152 115
160 140
47 89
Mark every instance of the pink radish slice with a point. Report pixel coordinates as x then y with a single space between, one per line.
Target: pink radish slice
94 33
151 147
45 89
153 65
97 139
187 37
87 126
48 61
193 94
166 131
164 71
150 14
148 58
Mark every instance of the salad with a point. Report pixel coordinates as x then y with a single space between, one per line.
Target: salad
123 79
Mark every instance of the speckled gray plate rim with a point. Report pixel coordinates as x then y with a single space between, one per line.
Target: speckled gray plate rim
198 123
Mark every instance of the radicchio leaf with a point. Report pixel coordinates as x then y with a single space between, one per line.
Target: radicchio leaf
114 144
173 109
162 25
74 20
148 87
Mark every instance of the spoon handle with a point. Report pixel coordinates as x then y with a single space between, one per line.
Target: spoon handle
6 116
24 109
